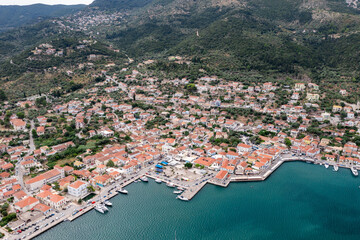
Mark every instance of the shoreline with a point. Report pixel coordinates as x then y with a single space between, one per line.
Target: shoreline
189 193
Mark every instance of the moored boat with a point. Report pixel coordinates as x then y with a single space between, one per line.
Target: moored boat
108 203
354 171
144 179
326 165
336 168
158 180
182 198
123 191
177 192
170 185
99 208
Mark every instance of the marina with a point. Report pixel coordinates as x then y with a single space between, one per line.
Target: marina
282 191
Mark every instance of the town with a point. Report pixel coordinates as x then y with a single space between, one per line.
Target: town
60 155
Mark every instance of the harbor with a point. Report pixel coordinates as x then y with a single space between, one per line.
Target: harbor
141 214
186 194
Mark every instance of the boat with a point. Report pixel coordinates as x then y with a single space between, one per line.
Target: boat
99 208
182 198
181 188
170 185
158 180
336 168
123 191
107 203
177 192
354 171
326 165
144 179
104 207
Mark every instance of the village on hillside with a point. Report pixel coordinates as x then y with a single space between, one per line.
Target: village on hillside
59 153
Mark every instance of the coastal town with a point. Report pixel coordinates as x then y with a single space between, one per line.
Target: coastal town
61 155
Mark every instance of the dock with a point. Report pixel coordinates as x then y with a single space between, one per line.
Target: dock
190 192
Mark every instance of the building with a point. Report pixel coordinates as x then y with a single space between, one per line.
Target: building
78 188
42 179
26 204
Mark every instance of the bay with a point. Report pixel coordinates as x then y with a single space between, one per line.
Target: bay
299 201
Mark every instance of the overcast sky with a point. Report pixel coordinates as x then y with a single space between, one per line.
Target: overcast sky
51 2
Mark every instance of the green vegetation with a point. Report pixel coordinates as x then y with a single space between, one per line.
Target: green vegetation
188 165
5 220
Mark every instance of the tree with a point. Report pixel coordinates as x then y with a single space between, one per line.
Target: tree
20 115
3 96
110 163
288 142
188 165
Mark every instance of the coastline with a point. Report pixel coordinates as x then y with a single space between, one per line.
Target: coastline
189 193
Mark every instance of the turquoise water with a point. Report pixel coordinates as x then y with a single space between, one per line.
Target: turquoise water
299 201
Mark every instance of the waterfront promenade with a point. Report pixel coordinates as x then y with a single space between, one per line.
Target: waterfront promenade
189 193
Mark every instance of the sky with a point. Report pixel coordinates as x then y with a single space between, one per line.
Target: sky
50 2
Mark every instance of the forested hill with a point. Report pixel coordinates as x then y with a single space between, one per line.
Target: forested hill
16 16
298 38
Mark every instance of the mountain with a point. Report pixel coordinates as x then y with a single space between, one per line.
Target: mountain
16 16
233 38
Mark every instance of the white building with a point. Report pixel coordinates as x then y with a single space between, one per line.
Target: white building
78 188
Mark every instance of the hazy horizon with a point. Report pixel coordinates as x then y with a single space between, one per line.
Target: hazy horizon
48 2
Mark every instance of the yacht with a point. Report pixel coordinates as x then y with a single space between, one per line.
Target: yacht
336 168
123 191
107 203
181 188
158 180
99 208
170 185
354 171
177 192
104 207
326 165
144 179
182 198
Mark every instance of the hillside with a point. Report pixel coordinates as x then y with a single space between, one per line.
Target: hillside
296 38
16 16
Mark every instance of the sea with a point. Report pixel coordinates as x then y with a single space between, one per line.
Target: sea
298 201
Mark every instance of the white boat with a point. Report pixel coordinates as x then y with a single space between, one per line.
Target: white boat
123 191
158 180
104 207
326 165
182 198
336 168
170 185
177 192
181 188
107 203
354 171
99 208
144 179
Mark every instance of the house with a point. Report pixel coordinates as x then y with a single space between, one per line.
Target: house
47 177
78 188
26 204
18 124
243 148
56 201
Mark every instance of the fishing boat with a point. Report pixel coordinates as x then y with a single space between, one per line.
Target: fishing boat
354 171
123 191
170 185
144 179
326 165
177 192
108 203
158 180
336 168
99 208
